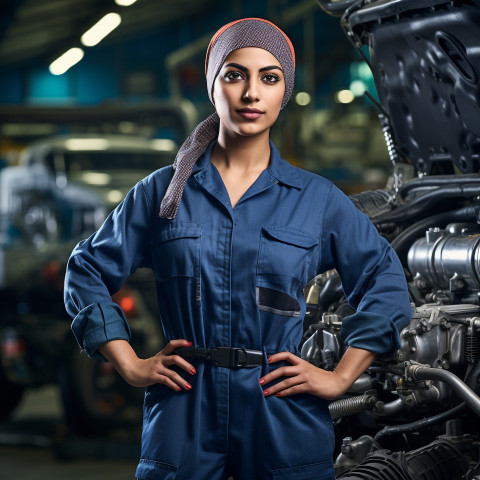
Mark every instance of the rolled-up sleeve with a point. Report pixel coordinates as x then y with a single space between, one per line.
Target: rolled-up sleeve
98 267
372 277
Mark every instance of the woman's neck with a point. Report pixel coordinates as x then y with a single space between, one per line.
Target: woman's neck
244 154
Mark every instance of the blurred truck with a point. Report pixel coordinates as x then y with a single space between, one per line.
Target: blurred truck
60 193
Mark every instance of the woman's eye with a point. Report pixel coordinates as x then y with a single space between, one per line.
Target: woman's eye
233 75
271 78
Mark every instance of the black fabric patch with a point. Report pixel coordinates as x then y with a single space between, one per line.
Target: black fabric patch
273 301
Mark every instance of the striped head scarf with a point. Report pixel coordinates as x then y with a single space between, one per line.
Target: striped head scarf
247 32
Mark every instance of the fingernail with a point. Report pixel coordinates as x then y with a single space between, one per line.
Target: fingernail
265 392
178 388
193 371
269 359
188 385
261 381
189 344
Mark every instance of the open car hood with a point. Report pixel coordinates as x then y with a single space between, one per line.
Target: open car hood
425 59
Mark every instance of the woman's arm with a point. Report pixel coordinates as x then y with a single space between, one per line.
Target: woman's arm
140 373
98 267
303 377
373 278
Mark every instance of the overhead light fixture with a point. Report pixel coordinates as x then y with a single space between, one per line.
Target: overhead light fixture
115 196
303 98
125 3
357 87
96 178
163 144
66 61
344 96
86 144
101 29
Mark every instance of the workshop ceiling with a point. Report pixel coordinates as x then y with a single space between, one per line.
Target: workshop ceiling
33 30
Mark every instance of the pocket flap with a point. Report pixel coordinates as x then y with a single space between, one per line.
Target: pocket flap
290 236
180 230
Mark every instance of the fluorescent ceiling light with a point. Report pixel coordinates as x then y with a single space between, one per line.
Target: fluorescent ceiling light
303 98
86 144
65 61
164 145
115 196
101 29
344 96
125 3
96 178
357 87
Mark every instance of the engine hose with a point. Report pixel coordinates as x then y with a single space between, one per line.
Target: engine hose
351 406
404 240
437 181
421 204
419 424
439 460
421 372
335 7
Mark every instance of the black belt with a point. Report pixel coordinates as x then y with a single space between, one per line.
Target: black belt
224 356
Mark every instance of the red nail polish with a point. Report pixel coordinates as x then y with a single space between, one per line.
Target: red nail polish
269 359
188 385
265 392
193 371
178 388
261 381
189 344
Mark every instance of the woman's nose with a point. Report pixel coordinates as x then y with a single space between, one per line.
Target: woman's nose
251 91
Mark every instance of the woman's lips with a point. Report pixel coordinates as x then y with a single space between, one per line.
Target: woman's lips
250 113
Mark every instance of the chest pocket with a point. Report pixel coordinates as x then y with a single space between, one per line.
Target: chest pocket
284 258
177 251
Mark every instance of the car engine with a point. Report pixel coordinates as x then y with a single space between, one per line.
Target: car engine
415 414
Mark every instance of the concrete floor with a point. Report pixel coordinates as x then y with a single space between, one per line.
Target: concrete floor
34 444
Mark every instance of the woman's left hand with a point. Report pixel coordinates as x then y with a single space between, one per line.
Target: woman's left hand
303 377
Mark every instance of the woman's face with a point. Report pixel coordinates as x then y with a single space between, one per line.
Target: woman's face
248 91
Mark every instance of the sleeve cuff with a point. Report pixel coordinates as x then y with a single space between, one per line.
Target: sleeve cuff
97 324
370 331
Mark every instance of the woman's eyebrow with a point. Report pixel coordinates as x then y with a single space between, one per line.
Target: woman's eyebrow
245 69
271 67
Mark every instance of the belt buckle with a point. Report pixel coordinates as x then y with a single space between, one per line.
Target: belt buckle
226 357
221 356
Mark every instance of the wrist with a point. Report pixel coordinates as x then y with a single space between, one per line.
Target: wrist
120 354
342 381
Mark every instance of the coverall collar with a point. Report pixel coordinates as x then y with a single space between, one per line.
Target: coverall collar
278 168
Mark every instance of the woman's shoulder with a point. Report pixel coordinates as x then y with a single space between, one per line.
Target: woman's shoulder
158 177
311 180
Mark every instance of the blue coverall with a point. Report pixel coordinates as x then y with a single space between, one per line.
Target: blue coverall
235 277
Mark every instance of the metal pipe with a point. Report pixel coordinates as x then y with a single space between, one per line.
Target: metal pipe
390 408
437 181
363 383
421 204
402 243
419 424
421 372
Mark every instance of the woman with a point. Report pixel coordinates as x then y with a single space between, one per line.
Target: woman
240 232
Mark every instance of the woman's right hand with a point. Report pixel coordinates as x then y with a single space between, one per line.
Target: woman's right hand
140 372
